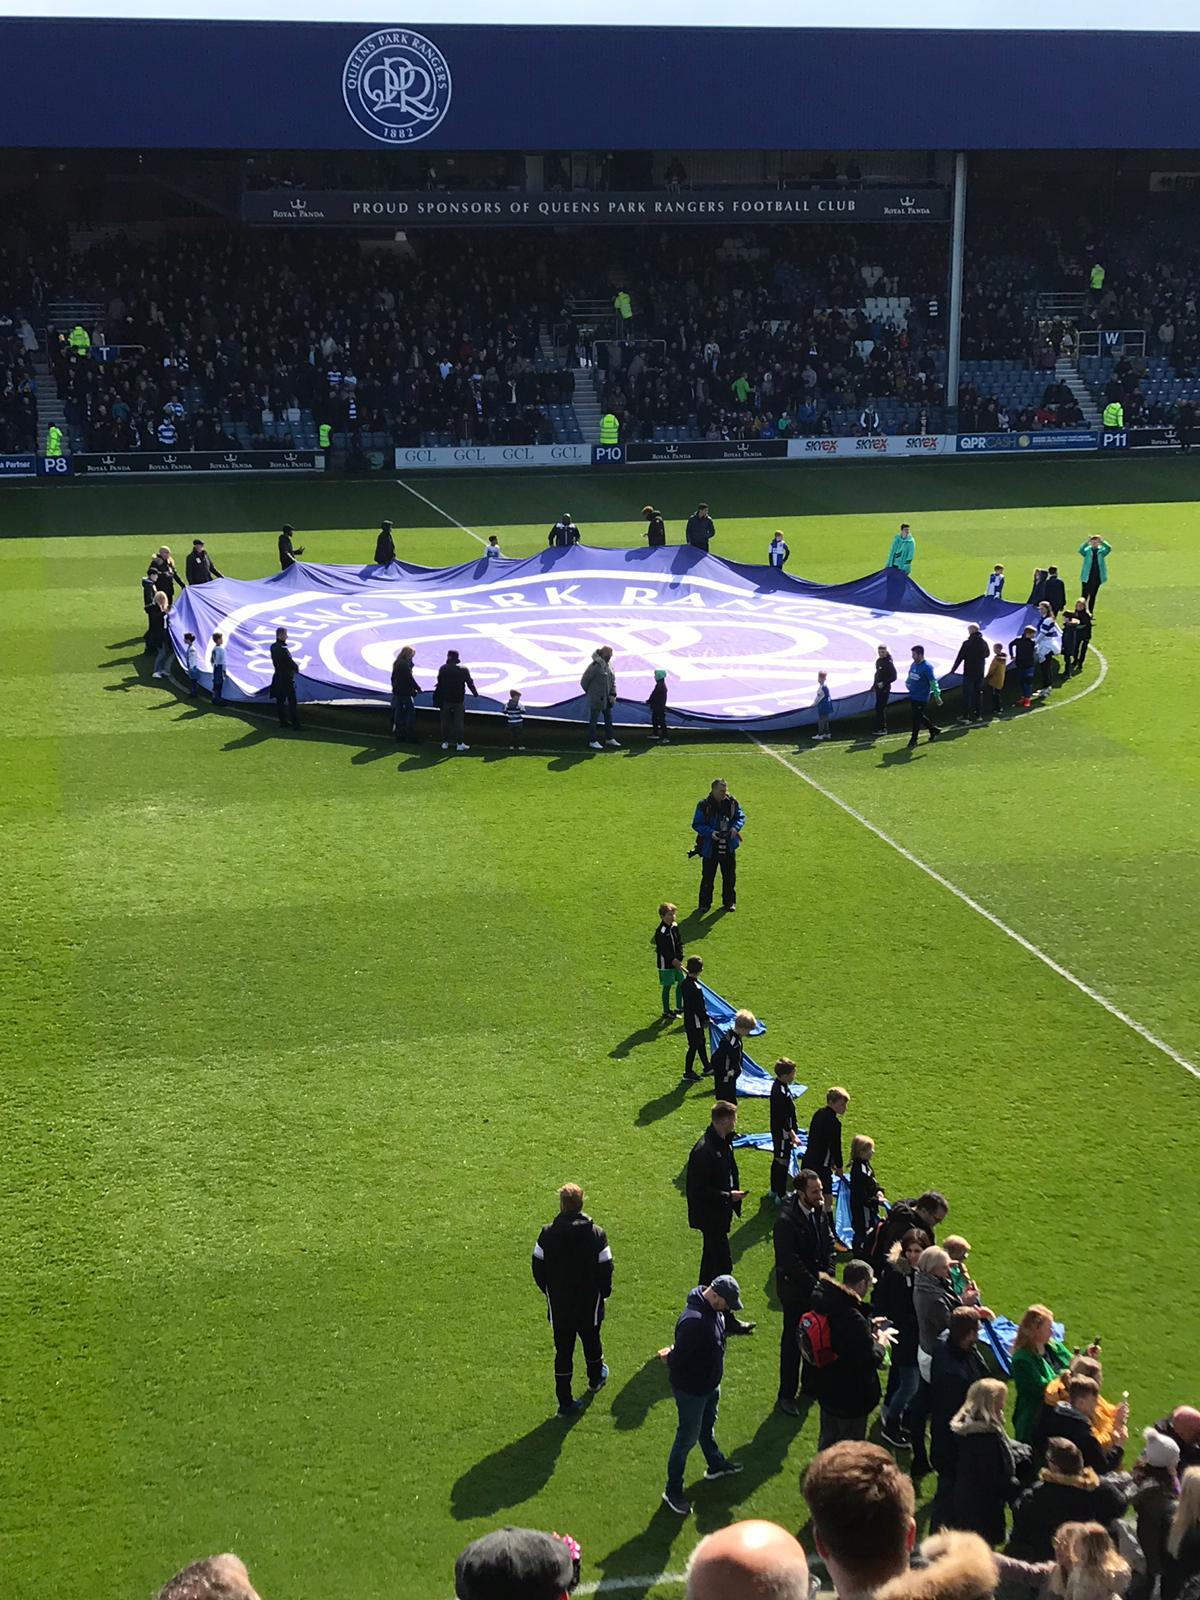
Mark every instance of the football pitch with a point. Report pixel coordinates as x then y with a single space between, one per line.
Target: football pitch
301 1033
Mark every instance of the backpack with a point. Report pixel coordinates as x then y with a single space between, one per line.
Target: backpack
815 1344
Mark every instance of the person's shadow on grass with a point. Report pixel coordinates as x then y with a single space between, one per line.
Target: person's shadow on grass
649 1550
247 740
752 1231
662 1105
762 1458
698 925
646 1035
631 1405
569 759
512 1474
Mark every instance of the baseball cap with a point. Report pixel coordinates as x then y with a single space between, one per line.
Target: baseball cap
514 1564
727 1287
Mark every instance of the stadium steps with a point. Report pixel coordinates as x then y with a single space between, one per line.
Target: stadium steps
1067 372
586 405
49 406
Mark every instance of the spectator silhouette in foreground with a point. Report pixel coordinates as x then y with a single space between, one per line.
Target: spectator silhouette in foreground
746 1559
215 1578
517 1561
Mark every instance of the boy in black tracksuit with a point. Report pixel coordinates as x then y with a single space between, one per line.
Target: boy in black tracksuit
784 1136
727 1057
695 1021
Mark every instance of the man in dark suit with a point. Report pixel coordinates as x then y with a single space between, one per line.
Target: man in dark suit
573 1267
823 1152
199 564
385 546
713 1198
283 680
288 553
1055 591
804 1249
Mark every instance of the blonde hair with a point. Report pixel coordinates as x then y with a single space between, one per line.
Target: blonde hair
570 1197
862 1147
957 1247
836 1093
1087 1564
1027 1328
984 1403
161 601
745 1019
932 1256
1187 1512
665 907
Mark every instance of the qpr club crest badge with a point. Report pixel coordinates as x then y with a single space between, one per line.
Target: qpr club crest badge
396 85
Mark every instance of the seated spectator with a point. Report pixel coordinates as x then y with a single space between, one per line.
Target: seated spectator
517 1562
1182 1560
1085 1566
985 1479
1155 1496
893 1299
1107 1415
1072 1419
746 1559
1066 1491
1037 1359
215 1578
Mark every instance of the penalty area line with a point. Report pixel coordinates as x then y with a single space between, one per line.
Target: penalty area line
989 916
441 512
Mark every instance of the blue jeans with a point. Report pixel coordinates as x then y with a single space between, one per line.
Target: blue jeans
404 717
903 1383
697 1419
594 715
218 687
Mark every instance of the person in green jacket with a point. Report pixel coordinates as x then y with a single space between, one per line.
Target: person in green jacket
904 548
54 440
325 436
610 429
79 339
1114 415
1095 552
623 306
1037 1359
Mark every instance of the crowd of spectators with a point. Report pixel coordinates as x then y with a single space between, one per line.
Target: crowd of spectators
18 341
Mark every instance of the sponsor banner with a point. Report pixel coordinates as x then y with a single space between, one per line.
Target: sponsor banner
149 463
494 209
867 449
18 466
708 450
414 458
1153 439
1051 439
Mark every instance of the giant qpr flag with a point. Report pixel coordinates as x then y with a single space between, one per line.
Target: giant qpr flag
741 645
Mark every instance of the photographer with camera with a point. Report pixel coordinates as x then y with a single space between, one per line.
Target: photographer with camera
718 824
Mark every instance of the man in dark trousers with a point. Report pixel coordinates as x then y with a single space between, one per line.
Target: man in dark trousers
784 1127
385 546
283 680
656 528
564 532
957 1364
847 1388
972 656
700 528
695 1366
573 1267
287 551
713 1198
450 695
717 823
730 1054
199 564
823 1152
804 1249
695 1020
1054 590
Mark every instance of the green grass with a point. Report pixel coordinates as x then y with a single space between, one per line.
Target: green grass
299 1036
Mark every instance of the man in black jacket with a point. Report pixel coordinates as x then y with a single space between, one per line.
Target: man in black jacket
700 528
927 1212
573 1267
847 1388
823 1152
804 1249
564 532
1066 1491
973 658
957 1364
696 1365
450 694
1072 1419
199 564
784 1127
1054 590
713 1197
656 528
287 551
385 546
283 680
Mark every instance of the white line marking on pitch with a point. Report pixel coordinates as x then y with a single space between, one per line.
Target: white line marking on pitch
614 1585
989 916
442 513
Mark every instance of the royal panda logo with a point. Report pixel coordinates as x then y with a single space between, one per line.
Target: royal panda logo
396 85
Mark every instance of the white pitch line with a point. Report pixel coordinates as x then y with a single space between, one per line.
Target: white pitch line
988 916
442 513
647 1580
